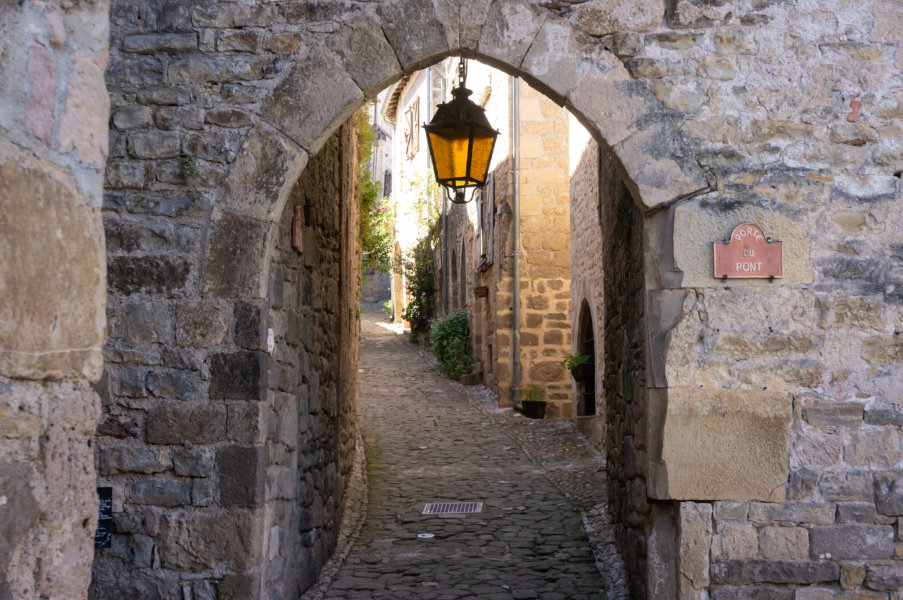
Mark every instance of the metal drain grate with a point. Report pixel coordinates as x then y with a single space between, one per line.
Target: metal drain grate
452 508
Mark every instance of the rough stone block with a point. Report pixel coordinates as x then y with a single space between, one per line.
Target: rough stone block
263 176
730 511
157 274
179 385
52 325
553 63
833 415
888 578
695 540
228 117
509 31
244 422
238 41
852 542
857 512
250 328
241 475
851 576
190 462
745 572
154 144
848 486
363 36
882 350
708 434
140 323
132 117
758 592
792 512
874 449
161 492
199 324
784 543
190 541
181 423
155 43
889 493
735 539
215 70
129 460
601 17
236 256
296 108
213 146
238 376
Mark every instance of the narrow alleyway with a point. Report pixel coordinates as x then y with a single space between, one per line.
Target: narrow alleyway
431 440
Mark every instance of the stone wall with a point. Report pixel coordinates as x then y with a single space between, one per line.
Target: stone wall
53 144
228 427
587 284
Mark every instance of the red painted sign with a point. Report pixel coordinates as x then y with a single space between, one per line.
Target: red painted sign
748 254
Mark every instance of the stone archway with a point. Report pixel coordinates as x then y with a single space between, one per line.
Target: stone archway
331 59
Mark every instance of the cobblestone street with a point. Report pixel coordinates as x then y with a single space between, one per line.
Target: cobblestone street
431 440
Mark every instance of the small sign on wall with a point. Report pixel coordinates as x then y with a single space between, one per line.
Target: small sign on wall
104 534
749 254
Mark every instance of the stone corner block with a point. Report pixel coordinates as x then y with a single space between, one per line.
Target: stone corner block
722 445
181 423
238 376
241 475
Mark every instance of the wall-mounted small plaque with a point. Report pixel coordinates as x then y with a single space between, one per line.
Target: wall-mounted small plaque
298 229
749 254
104 534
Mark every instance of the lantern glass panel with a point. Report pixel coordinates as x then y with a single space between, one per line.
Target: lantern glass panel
482 154
449 148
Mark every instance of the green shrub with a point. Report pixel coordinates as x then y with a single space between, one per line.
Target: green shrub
450 337
387 308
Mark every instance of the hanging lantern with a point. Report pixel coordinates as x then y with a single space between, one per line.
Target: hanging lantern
460 141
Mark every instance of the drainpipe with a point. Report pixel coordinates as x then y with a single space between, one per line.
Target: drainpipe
444 254
515 201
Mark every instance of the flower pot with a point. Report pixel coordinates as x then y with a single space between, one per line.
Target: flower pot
481 291
534 409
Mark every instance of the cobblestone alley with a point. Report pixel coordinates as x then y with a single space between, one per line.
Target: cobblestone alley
431 440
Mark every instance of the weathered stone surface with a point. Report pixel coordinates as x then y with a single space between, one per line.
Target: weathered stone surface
730 511
744 572
160 274
131 117
250 329
185 423
161 492
228 117
236 256
241 475
363 36
695 531
889 492
83 124
260 180
707 433
735 540
792 512
154 144
192 541
173 384
138 323
784 543
601 17
238 41
656 168
851 575
875 449
296 108
652 68
45 334
199 324
508 31
215 70
833 415
883 350
850 542
853 485
414 32
888 578
238 376
129 460
160 42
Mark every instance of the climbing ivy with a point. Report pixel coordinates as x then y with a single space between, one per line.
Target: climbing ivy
377 227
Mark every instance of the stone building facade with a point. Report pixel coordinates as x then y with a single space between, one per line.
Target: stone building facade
760 420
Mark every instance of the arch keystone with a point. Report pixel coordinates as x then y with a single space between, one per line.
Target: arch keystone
312 100
262 178
363 38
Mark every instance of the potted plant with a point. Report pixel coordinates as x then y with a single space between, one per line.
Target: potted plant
531 405
481 291
580 366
